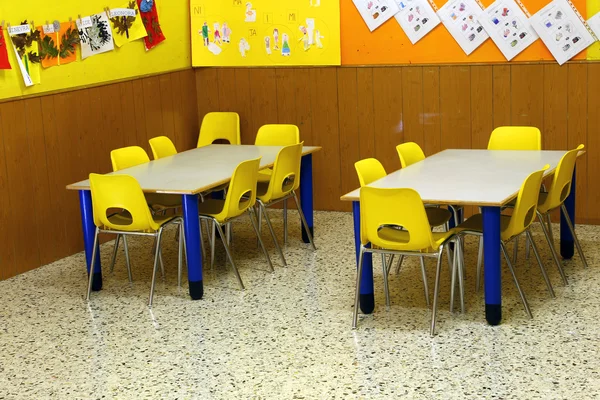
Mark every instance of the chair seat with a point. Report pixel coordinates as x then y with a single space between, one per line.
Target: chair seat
437 216
264 175
541 200
214 207
475 224
400 237
124 218
160 201
262 187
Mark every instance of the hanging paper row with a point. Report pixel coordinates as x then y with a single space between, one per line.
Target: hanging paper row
560 26
56 43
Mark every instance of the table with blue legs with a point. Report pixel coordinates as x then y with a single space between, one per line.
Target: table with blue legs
489 179
188 174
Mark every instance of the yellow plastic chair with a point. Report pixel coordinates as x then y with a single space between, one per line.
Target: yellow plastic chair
511 226
515 138
555 198
284 182
409 153
276 135
162 147
124 192
382 208
240 198
220 126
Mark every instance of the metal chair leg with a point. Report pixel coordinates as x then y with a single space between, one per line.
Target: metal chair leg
91 274
259 213
436 289
357 291
549 221
512 271
425 280
527 247
552 248
386 287
224 240
310 237
572 229
479 264
262 245
541 264
160 259
285 222
156 261
399 265
461 273
390 262
453 271
270 226
515 249
127 260
212 245
114 254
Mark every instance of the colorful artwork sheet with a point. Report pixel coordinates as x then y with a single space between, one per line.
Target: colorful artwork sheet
265 32
562 31
417 18
4 63
58 43
150 20
460 17
127 25
376 12
95 35
509 27
25 45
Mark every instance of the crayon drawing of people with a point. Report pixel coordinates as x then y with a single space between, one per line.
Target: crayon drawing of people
244 46
226 33
276 39
268 45
318 38
304 38
285 48
217 33
250 13
204 32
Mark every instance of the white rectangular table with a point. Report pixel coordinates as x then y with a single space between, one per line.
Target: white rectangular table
188 174
485 178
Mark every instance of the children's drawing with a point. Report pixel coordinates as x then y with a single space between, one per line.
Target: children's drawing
25 44
376 12
217 33
305 38
226 33
417 18
276 39
268 45
310 30
460 17
59 46
204 32
244 46
97 38
318 38
285 47
250 13
508 26
149 15
562 30
213 48
4 63
127 24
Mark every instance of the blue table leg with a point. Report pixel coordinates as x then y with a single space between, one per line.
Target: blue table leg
191 227
566 239
367 296
306 195
492 265
89 230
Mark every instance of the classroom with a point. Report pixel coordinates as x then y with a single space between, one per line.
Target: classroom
300 199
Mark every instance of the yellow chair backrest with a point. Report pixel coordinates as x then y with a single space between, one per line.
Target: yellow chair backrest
409 153
526 205
515 138
243 184
120 192
128 157
401 207
286 172
561 182
369 170
220 126
162 147
277 135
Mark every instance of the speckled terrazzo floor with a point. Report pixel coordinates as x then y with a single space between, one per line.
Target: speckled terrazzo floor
288 335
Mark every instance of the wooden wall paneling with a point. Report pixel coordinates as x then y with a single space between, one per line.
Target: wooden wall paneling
348 119
167 110
44 215
153 107
130 137
304 106
139 115
53 136
226 87
593 144
527 95
501 85
412 105
7 249
555 97
387 103
188 136
366 123
577 129
264 103
179 112
244 105
431 110
285 79
455 94
326 133
482 105
207 91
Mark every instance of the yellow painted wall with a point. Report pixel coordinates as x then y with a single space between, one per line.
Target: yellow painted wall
593 7
129 61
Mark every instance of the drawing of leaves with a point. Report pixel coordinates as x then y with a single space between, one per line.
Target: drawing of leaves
68 42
